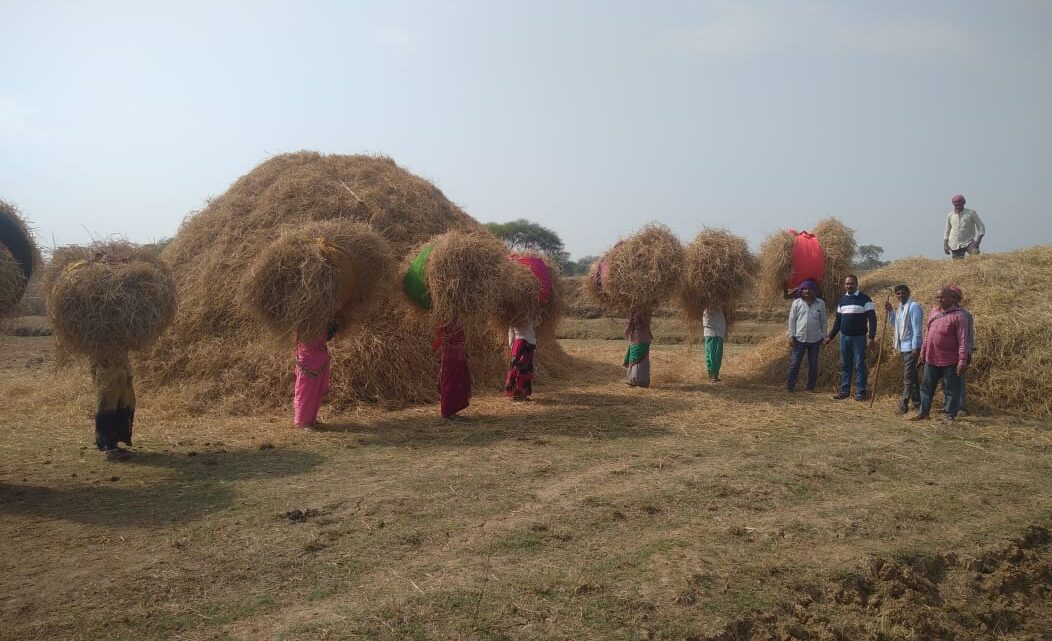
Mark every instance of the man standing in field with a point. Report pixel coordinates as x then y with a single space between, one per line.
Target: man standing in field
964 230
908 323
854 311
945 355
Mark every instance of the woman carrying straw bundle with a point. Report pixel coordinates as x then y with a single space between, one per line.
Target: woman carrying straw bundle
18 256
637 358
116 301
529 291
309 283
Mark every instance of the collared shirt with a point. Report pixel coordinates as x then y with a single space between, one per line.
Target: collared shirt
963 228
807 323
909 326
971 329
714 323
946 342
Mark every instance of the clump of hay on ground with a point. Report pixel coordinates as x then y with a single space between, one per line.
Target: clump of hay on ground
214 357
1013 329
640 272
19 256
776 261
108 299
315 275
717 271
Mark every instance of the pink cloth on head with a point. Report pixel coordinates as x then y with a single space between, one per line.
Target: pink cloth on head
957 199
540 270
312 380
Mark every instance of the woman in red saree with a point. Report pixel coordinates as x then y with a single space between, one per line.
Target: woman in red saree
454 377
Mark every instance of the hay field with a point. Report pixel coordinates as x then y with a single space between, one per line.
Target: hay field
686 511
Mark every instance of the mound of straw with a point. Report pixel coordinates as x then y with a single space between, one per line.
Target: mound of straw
19 256
717 272
215 358
315 275
640 272
776 266
1012 339
108 299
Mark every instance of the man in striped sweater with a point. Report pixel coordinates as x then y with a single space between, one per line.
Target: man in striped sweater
854 312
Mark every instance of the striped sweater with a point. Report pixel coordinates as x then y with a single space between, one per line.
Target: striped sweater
853 312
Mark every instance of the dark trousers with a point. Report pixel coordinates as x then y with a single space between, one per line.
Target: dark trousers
796 357
951 388
853 357
910 380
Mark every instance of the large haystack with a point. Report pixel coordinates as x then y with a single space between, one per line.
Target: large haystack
776 262
638 273
1013 329
218 357
717 271
19 256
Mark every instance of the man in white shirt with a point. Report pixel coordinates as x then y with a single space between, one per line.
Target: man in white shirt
807 329
964 230
908 323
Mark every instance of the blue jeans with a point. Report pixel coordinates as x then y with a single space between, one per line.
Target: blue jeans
796 357
853 356
951 388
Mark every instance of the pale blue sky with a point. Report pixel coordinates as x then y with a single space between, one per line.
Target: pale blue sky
588 117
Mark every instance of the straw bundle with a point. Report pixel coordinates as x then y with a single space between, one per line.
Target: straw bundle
776 261
717 271
520 294
215 357
1012 340
640 272
18 256
314 275
115 298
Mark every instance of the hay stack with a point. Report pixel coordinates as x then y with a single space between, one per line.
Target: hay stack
19 256
775 261
317 274
638 273
1013 329
717 271
109 299
214 356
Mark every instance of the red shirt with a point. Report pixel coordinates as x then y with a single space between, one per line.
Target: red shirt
946 341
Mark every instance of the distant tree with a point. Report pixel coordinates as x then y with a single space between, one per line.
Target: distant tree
523 234
577 267
868 257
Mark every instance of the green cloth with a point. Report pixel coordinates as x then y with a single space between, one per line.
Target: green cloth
713 355
636 353
414 282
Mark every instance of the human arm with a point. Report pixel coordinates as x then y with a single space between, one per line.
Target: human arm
791 331
980 229
963 355
946 235
833 332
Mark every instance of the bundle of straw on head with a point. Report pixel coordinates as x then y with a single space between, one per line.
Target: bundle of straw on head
641 272
717 269
18 256
838 245
462 272
108 299
775 267
520 294
317 274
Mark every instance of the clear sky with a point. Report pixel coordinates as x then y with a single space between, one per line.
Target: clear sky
590 118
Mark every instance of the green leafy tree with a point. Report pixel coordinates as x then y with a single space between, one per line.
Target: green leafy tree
868 257
523 234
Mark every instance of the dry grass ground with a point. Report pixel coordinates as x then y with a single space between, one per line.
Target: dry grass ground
685 511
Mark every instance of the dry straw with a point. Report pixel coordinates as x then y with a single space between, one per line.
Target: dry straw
215 357
315 275
1012 340
641 272
108 299
19 256
776 261
717 272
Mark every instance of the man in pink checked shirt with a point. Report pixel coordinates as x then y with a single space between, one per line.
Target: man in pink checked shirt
944 354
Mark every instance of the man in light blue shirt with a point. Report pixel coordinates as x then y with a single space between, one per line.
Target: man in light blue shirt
908 323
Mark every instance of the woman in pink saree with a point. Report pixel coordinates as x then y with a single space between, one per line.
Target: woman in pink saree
312 379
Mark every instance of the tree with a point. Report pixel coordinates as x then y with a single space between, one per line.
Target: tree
523 234
868 257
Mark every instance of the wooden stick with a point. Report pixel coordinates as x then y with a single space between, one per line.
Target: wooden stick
880 354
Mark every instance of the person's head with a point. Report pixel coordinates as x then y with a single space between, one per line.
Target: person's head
944 297
958 203
902 292
955 293
808 292
851 283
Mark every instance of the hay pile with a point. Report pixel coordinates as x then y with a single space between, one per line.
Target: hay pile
637 274
215 357
775 261
315 275
108 299
1007 295
717 271
19 256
